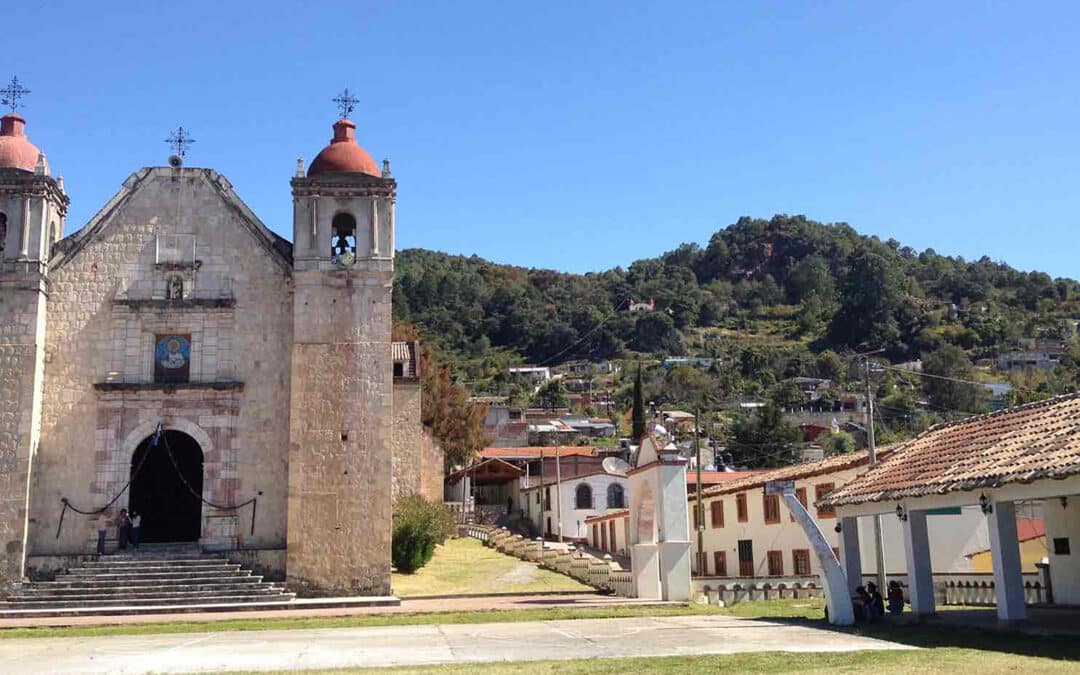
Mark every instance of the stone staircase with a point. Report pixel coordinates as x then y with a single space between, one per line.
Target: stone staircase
151 580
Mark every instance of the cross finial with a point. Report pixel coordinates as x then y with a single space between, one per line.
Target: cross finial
180 140
13 93
346 103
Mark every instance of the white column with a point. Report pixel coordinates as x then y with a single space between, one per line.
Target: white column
920 572
1005 554
850 555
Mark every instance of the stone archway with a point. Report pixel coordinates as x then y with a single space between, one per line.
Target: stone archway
167 487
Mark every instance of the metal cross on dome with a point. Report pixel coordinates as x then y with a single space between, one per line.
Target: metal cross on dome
13 93
179 140
346 103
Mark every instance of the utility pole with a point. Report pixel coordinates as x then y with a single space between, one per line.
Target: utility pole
879 544
558 489
699 506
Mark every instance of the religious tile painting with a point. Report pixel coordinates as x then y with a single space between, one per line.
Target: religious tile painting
172 358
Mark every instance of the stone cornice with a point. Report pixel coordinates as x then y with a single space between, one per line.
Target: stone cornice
170 387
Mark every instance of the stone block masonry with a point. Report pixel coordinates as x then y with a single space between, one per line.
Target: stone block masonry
22 323
340 464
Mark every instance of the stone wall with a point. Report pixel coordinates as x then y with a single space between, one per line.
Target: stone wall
432 468
22 322
406 436
107 303
340 457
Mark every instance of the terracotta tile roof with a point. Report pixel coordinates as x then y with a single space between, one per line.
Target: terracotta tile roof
619 513
535 452
405 354
1016 445
716 477
832 464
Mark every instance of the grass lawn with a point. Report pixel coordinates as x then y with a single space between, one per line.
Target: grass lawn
362 621
465 566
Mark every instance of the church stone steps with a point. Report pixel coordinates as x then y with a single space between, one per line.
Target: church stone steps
145 583
136 602
152 569
161 580
144 562
124 596
64 591
121 576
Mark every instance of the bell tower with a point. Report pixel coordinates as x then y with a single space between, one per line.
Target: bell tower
339 507
32 211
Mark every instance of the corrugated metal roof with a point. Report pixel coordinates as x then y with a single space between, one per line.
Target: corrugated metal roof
1016 445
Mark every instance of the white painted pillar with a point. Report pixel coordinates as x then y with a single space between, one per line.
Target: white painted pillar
920 572
850 555
1005 554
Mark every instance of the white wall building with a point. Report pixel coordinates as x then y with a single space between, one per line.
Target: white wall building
749 534
572 501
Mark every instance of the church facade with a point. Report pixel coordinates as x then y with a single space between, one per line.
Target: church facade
177 358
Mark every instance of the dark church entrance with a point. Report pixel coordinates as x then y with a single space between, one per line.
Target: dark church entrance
170 512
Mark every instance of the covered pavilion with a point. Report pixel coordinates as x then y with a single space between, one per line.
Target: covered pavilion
1030 453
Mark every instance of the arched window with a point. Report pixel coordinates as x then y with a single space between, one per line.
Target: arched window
3 231
344 236
615 497
583 496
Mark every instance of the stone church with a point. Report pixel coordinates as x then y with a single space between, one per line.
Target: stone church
177 358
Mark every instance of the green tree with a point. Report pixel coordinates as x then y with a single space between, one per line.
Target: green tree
870 297
552 395
840 443
945 367
766 439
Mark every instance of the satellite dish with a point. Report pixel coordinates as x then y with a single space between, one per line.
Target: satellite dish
176 161
615 466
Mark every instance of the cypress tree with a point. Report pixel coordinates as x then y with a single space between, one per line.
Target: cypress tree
638 413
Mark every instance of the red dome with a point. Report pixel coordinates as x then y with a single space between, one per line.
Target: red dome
344 155
16 152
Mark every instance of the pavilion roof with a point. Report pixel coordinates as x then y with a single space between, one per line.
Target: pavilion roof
1017 445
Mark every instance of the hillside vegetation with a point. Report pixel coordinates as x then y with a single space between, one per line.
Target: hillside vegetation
769 299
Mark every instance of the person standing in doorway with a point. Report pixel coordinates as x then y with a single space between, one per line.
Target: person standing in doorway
136 529
123 528
102 530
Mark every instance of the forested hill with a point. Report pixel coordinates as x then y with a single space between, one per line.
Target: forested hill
784 283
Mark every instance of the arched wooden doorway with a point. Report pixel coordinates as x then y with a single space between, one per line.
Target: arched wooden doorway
166 491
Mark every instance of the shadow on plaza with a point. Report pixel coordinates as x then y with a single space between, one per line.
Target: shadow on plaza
1048 633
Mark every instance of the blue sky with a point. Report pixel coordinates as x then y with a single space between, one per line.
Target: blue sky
584 135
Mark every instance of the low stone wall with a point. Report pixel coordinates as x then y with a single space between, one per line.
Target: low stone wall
600 574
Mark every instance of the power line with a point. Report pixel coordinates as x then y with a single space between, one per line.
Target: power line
961 381
586 335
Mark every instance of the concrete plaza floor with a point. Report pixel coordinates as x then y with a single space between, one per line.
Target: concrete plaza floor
422 645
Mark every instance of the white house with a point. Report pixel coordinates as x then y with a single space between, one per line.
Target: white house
537 374
571 501
749 534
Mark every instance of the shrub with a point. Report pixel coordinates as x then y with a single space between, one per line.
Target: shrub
419 525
